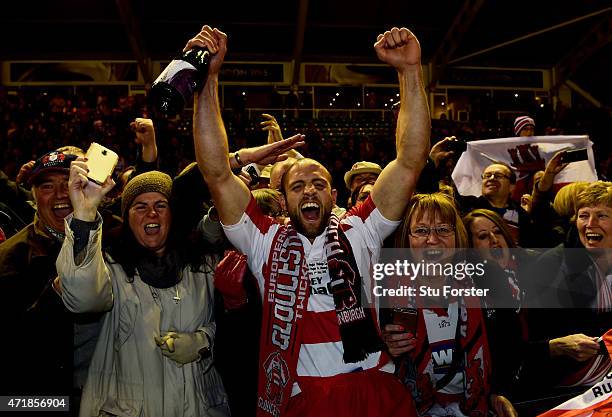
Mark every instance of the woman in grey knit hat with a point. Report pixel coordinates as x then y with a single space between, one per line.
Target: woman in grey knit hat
153 357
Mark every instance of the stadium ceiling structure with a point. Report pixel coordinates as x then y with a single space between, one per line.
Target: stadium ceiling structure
572 37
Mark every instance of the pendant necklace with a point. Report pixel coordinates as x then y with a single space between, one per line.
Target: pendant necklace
176 298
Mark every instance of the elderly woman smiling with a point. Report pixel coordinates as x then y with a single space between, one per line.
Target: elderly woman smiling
574 283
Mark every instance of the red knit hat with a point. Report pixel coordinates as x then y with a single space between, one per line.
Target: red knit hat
521 122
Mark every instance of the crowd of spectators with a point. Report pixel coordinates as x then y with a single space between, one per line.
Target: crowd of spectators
141 264
36 119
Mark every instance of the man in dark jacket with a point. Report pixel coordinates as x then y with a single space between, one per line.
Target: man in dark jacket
41 344
498 181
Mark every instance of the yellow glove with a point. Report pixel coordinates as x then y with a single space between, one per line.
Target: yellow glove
183 347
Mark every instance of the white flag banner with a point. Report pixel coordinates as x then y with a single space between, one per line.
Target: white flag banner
526 155
594 402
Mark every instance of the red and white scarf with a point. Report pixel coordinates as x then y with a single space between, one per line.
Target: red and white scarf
416 369
285 302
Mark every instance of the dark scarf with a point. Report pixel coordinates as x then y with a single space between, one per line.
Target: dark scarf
285 303
158 272
357 328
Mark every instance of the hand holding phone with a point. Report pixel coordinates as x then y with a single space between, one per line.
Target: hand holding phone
85 194
101 162
458 146
575 155
407 318
253 171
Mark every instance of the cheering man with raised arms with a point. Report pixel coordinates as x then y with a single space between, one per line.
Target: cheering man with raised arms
321 351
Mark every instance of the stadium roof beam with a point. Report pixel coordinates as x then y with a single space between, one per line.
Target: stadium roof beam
299 40
585 94
529 35
131 22
452 39
599 36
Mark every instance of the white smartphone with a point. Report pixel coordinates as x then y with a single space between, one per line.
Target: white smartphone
101 162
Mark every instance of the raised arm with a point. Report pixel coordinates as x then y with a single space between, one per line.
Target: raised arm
396 183
145 137
85 279
230 194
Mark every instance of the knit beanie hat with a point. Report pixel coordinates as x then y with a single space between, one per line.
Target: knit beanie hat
522 121
148 182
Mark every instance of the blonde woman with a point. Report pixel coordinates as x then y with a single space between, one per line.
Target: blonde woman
432 229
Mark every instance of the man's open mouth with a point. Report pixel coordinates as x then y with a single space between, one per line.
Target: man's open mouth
61 210
311 211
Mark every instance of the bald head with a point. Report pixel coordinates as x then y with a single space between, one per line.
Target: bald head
298 165
278 171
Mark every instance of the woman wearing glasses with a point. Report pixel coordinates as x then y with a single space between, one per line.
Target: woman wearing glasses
445 361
